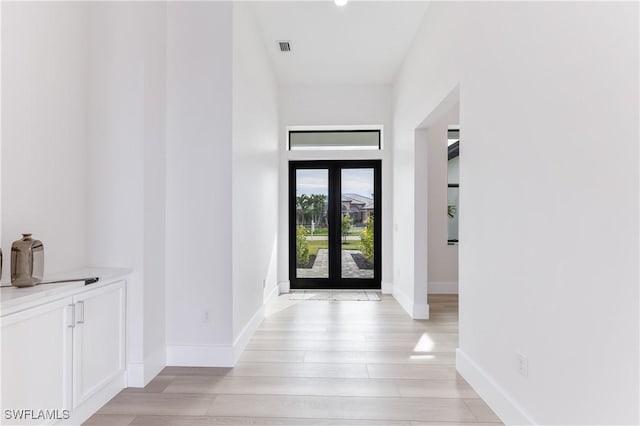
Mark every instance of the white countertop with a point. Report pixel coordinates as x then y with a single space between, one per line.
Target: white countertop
14 299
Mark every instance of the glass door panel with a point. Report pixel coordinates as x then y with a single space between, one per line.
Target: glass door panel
334 224
357 200
312 230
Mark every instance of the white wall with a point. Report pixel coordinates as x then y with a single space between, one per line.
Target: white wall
336 106
155 187
1 102
255 174
126 172
116 155
436 266
44 82
442 257
222 171
199 185
414 298
549 97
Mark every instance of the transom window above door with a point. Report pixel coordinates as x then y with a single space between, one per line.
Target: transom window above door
361 139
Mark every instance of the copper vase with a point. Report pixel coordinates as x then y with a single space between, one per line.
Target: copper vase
27 262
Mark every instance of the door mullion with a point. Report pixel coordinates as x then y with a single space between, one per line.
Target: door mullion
334 227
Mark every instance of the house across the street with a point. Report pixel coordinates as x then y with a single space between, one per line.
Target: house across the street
359 207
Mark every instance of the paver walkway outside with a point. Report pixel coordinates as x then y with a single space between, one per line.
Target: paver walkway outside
320 267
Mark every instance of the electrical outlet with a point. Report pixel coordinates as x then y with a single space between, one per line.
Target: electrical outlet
264 283
206 316
522 364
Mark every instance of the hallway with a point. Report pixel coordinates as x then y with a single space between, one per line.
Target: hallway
320 363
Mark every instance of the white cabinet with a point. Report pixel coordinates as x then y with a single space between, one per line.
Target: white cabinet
98 340
36 360
64 354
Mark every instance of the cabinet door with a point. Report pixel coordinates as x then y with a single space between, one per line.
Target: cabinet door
98 340
36 359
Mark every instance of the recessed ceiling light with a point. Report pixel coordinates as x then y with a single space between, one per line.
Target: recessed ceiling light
340 2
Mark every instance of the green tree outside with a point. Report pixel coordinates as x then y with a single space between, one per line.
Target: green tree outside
346 226
366 240
302 246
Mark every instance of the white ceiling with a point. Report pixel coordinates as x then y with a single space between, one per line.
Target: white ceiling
363 42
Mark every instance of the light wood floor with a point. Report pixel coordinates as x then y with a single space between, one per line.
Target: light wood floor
320 363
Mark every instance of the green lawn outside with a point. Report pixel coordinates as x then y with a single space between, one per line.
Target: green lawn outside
324 231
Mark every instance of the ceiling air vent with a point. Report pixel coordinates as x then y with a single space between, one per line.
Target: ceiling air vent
284 46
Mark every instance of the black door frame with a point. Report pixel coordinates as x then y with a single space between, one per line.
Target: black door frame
334 216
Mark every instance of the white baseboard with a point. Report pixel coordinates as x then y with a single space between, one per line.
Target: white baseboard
85 410
442 287
271 295
285 286
500 402
139 374
415 310
212 355
241 342
386 288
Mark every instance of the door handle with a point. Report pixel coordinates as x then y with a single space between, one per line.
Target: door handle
72 307
81 305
